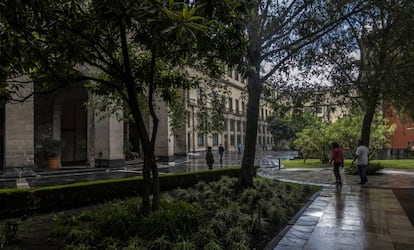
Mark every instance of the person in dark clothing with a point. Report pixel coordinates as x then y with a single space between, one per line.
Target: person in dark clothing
209 158
221 153
338 161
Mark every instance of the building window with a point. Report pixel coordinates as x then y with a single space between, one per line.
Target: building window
260 140
199 95
266 113
237 106
230 104
262 112
259 128
238 126
200 140
236 76
232 142
215 139
231 125
238 139
318 109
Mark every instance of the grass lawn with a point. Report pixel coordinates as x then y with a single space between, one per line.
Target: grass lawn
316 163
394 163
298 163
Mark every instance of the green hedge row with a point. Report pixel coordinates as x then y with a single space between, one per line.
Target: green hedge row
18 202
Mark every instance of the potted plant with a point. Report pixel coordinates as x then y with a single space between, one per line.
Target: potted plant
51 147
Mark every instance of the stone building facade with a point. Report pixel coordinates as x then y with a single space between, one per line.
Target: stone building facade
190 140
63 117
94 141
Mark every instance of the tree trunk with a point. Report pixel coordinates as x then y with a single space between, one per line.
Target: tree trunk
139 121
146 202
155 185
247 168
366 125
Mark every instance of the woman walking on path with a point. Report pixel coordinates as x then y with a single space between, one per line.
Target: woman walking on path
338 160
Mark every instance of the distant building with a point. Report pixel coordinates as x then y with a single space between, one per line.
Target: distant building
403 137
189 139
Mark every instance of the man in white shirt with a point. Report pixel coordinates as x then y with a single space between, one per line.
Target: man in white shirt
362 155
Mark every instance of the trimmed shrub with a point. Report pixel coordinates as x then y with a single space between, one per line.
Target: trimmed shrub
372 169
16 202
174 220
225 220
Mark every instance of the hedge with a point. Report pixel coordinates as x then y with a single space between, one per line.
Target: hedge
18 202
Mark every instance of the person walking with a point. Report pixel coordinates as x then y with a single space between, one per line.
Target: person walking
338 161
239 147
221 153
209 158
362 155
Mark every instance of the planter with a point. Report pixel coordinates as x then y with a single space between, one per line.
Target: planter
53 162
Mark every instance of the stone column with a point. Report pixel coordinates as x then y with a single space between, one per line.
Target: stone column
90 151
109 142
164 143
19 133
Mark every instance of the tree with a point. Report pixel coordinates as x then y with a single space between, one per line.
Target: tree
277 33
289 126
367 63
316 140
400 79
211 102
279 128
129 49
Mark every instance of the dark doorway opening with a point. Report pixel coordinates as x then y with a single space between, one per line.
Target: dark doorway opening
73 122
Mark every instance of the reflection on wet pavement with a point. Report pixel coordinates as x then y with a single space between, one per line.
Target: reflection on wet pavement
378 215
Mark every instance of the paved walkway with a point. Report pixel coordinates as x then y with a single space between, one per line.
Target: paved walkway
378 215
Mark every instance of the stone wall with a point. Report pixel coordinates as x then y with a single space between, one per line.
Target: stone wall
19 133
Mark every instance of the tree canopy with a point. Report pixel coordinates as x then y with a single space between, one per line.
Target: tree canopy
278 34
133 50
316 140
369 61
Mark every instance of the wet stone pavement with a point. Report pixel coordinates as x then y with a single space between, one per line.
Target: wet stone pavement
377 215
